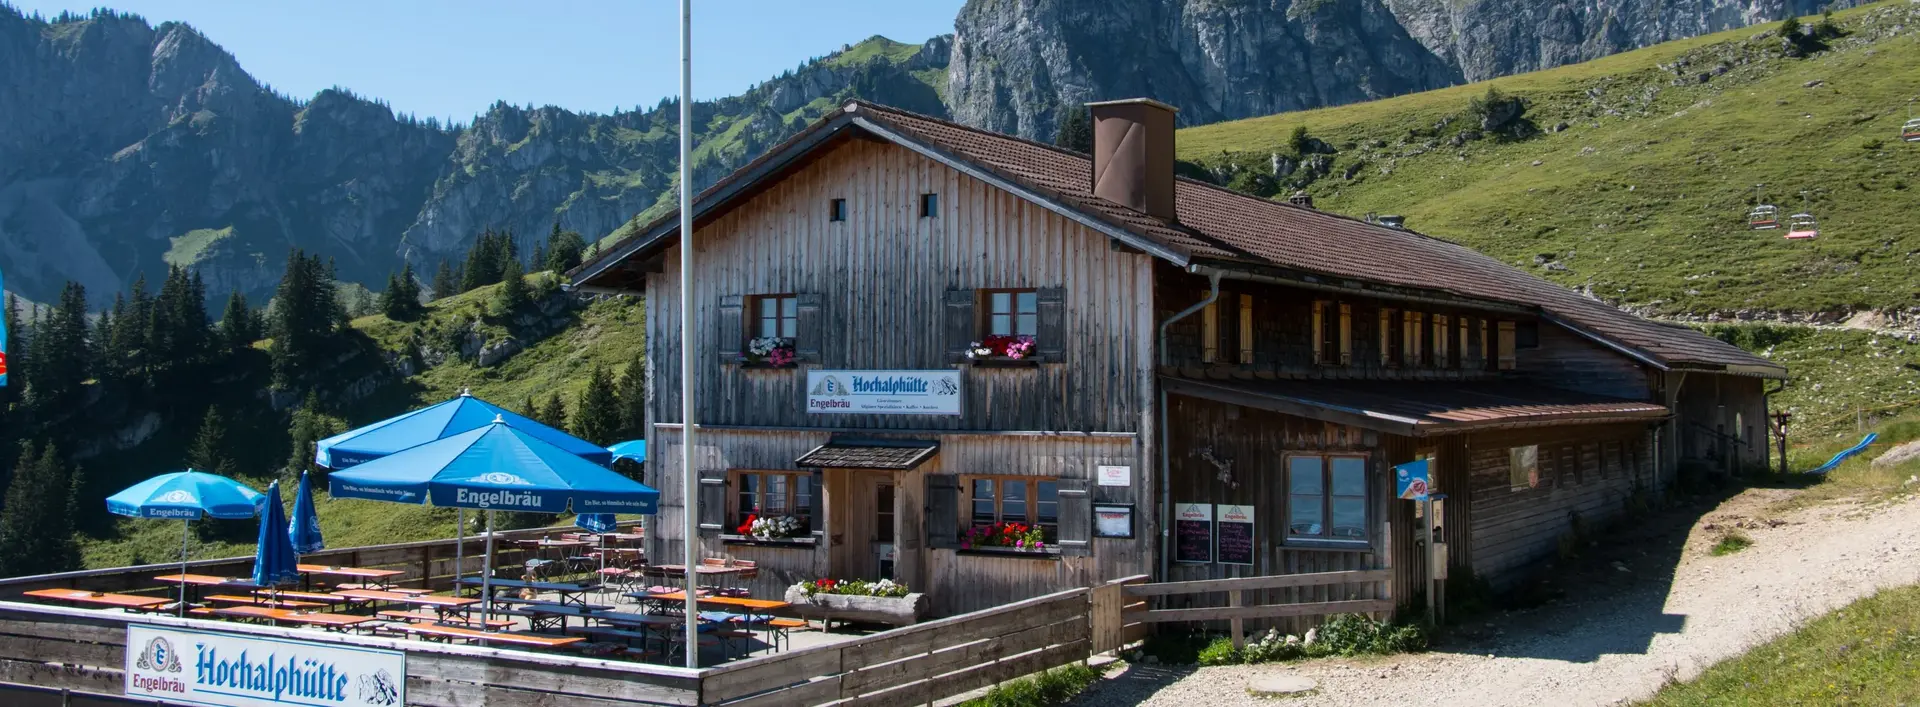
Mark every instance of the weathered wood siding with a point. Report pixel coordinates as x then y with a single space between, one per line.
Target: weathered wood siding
882 277
956 581
1722 421
1565 359
1587 476
1283 345
1254 444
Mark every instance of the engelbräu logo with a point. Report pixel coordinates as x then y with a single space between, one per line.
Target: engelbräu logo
489 499
158 656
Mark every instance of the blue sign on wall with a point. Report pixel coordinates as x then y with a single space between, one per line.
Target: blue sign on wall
1410 480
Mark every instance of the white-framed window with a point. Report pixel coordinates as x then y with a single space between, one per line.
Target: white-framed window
1523 467
771 494
1326 498
776 315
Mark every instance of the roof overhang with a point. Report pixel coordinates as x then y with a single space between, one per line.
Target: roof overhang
884 454
1420 409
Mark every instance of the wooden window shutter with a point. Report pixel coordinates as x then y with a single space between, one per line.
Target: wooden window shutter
1413 353
1346 334
959 324
1386 337
1442 351
943 511
1246 330
1319 331
733 330
1050 332
806 344
1507 360
1210 332
1460 344
713 501
1076 518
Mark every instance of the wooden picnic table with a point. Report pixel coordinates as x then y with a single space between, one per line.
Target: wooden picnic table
438 603
381 577
430 617
761 605
260 600
200 582
530 640
568 591
283 594
118 601
330 621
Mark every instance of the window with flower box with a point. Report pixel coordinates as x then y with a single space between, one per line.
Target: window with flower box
1009 325
1012 512
767 497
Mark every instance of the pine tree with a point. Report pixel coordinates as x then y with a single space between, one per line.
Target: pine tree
59 371
238 324
393 300
484 265
554 413
563 250
596 417
36 526
309 426
305 313
513 293
633 397
443 282
1076 130
210 452
135 330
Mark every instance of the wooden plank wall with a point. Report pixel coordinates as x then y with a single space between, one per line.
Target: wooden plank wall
883 275
1254 442
427 563
1283 333
917 664
86 651
1512 530
1565 359
957 582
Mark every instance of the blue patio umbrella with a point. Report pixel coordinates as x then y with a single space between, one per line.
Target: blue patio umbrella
596 522
188 496
496 467
634 449
274 561
461 414
304 532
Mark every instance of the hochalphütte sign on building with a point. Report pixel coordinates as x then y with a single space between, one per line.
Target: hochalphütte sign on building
884 392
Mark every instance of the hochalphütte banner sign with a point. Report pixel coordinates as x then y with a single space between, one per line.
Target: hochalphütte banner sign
884 392
188 666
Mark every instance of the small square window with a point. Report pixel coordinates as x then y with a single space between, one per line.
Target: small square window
1013 313
929 206
1523 469
837 210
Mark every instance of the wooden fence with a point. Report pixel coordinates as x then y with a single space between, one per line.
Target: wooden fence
84 651
1237 611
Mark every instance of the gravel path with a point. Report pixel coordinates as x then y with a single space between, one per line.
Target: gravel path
1666 617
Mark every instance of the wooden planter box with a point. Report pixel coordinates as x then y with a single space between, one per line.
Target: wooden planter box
896 611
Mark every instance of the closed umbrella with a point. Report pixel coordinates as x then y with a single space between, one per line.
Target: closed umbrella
274 560
187 496
305 529
493 468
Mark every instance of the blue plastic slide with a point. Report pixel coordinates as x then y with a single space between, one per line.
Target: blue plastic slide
1843 456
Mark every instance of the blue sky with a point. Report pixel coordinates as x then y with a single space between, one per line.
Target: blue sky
452 59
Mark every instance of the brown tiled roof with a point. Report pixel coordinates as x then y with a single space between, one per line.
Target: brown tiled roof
1422 408
874 454
1233 229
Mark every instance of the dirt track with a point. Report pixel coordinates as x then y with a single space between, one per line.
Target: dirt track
1620 634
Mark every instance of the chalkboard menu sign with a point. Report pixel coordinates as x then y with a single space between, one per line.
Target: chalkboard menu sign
1193 533
1235 534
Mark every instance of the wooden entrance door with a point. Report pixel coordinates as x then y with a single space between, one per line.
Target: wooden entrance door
868 526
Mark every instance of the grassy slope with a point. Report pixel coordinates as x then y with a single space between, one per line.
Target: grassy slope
1647 207
1863 654
1834 372
605 333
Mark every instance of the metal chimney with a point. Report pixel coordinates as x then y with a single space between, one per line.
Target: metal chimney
1133 154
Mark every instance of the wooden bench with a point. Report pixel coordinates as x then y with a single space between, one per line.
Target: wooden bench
433 618
528 640
376 587
300 596
265 601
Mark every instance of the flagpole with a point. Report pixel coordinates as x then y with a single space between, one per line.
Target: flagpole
690 531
